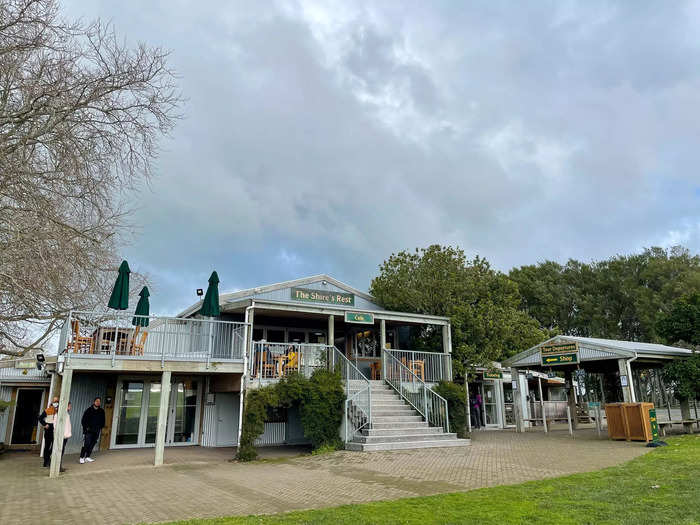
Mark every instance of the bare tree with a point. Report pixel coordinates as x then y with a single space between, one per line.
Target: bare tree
80 118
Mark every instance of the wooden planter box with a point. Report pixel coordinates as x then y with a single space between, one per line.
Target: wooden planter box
629 421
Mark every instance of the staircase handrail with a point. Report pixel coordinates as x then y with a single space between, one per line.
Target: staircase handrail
429 404
349 372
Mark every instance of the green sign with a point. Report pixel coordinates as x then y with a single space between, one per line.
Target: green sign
556 349
322 296
559 359
654 425
493 375
359 318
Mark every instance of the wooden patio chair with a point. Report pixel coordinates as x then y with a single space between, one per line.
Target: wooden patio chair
268 368
137 343
418 368
80 344
292 362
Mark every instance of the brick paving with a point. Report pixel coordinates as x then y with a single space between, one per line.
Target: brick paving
121 486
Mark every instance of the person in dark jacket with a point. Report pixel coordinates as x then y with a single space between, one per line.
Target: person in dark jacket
92 423
47 419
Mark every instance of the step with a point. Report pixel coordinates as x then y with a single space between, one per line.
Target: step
395 419
406 445
426 430
404 438
398 425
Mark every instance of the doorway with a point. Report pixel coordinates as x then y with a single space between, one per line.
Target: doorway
508 406
25 428
490 404
136 413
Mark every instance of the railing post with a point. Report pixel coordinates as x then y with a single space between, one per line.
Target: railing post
425 404
114 341
260 368
162 347
369 405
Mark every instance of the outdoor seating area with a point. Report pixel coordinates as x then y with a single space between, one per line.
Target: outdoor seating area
278 360
106 339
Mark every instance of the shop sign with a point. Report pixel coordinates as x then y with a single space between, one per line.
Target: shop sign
654 425
25 364
559 354
359 318
321 296
493 375
559 359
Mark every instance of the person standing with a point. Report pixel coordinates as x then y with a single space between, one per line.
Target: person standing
67 434
47 420
92 422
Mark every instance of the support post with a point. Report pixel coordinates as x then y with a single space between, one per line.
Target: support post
544 416
571 398
53 387
517 401
162 417
59 427
447 349
331 330
598 424
626 390
568 417
468 406
382 342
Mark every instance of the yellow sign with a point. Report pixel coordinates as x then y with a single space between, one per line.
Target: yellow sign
556 349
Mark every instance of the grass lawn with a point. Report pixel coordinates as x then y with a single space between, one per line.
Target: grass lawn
624 494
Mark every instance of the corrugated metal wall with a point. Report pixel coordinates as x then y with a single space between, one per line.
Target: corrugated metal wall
209 426
5 395
274 435
84 389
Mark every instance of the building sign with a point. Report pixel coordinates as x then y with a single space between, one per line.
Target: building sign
493 375
359 318
25 364
559 354
322 296
654 425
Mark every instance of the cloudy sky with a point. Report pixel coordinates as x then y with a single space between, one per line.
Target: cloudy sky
320 137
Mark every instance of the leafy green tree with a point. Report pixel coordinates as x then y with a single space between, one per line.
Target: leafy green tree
684 377
682 322
483 304
618 298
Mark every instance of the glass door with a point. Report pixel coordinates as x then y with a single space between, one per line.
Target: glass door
490 404
508 407
131 397
183 413
152 412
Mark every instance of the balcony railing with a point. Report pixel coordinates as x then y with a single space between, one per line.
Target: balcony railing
120 335
430 367
276 360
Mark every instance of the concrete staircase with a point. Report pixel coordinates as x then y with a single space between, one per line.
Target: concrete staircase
397 425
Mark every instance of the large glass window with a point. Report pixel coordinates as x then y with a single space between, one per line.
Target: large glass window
152 416
131 397
185 393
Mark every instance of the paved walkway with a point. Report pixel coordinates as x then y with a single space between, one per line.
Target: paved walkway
121 487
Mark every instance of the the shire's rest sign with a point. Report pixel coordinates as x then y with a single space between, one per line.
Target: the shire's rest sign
322 296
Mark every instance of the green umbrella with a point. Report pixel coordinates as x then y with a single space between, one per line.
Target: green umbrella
119 300
210 306
142 308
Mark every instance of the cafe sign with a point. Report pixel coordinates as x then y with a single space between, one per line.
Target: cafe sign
322 296
359 318
559 354
493 375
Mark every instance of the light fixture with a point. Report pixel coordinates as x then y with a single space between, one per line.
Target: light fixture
40 361
200 292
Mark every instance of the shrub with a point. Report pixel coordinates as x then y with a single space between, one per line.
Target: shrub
320 400
455 395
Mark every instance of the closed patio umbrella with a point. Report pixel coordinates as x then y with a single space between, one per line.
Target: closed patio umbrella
210 306
142 308
119 300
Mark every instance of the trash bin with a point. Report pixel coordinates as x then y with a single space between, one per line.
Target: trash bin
629 421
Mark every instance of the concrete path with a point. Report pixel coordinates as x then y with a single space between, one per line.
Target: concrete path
121 486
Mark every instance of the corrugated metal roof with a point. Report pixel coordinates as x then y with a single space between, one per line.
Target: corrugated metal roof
591 349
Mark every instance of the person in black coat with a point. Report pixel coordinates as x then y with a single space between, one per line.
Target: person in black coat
92 422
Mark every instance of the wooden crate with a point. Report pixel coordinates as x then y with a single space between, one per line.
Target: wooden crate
638 423
617 424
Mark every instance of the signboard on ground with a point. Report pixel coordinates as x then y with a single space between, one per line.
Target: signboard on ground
359 318
654 425
322 296
559 354
493 375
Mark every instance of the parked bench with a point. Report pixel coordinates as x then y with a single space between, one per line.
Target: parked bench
687 425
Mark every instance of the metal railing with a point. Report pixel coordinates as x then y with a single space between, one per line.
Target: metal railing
276 360
431 367
410 387
358 401
121 335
